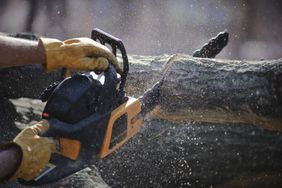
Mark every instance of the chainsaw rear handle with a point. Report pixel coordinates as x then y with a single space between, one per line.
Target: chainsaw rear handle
115 43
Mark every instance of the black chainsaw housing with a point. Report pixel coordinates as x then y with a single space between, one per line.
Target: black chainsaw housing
74 99
79 108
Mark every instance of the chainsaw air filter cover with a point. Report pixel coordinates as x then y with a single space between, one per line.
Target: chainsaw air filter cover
75 98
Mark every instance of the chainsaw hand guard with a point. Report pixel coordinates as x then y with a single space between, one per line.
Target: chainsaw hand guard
116 44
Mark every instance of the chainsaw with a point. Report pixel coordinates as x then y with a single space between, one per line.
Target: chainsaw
90 115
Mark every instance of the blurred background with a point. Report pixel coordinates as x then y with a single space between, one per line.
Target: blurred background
155 27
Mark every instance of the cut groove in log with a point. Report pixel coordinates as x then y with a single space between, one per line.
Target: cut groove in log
221 117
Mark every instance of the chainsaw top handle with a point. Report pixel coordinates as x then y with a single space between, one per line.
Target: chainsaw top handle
116 44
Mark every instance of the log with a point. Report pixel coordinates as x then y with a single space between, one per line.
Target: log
219 115
210 90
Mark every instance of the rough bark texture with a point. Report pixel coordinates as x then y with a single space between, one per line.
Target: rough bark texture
220 108
219 91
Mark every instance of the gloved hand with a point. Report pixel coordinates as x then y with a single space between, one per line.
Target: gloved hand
77 54
36 150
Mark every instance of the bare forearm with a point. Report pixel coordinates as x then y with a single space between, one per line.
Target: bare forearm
10 158
18 52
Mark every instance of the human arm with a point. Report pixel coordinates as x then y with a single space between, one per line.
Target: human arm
10 158
19 52
34 153
75 54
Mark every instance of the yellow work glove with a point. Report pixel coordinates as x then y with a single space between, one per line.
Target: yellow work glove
36 151
77 54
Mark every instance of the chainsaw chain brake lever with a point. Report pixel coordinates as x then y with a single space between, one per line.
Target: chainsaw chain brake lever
104 38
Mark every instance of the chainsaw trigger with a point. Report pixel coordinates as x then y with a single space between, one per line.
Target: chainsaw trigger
68 148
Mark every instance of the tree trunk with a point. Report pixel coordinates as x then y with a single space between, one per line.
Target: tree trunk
210 90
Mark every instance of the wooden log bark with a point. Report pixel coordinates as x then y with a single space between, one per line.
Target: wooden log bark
210 90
